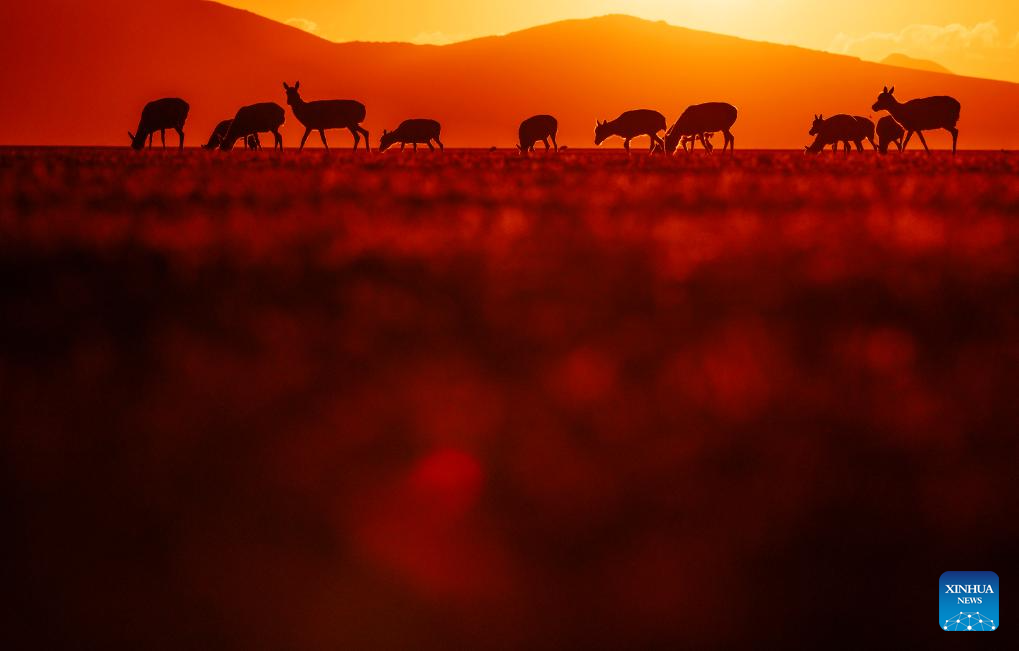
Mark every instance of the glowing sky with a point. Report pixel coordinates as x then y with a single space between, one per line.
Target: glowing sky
975 37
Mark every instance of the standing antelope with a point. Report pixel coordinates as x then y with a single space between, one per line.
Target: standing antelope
327 114
160 115
535 128
700 119
255 119
919 115
629 125
889 131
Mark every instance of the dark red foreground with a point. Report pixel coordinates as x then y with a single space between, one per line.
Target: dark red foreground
477 401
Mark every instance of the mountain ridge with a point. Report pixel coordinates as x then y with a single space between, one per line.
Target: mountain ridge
219 58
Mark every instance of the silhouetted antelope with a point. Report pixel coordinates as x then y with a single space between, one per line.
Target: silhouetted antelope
327 114
629 125
889 131
687 142
866 130
535 128
266 117
414 132
160 115
919 115
219 133
840 128
700 119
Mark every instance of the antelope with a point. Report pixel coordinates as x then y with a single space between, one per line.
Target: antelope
629 125
413 131
840 128
327 114
866 131
538 127
160 115
889 131
700 119
255 119
219 133
924 114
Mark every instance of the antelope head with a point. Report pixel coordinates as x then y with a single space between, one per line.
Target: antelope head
886 100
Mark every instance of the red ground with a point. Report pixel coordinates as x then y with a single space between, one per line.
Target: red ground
478 401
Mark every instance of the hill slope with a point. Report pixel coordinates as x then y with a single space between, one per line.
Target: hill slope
100 61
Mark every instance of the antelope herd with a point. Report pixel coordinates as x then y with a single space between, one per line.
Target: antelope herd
699 122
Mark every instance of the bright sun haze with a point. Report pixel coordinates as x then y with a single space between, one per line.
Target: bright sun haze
977 37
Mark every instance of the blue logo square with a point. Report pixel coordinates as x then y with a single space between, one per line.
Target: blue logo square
968 601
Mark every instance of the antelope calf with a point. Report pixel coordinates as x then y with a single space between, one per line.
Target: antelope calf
889 131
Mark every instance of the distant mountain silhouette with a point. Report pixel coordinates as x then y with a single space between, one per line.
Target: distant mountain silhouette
84 70
906 61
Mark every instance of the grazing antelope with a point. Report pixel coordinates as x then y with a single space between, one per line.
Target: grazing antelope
629 125
919 115
327 114
414 132
219 133
700 119
160 115
889 131
255 119
535 128
840 128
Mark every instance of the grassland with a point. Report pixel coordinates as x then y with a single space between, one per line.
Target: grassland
473 400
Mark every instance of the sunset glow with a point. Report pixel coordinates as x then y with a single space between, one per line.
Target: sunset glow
979 37
507 324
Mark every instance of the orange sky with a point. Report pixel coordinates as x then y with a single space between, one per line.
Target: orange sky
975 37
578 70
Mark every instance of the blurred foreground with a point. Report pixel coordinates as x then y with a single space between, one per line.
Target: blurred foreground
479 401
